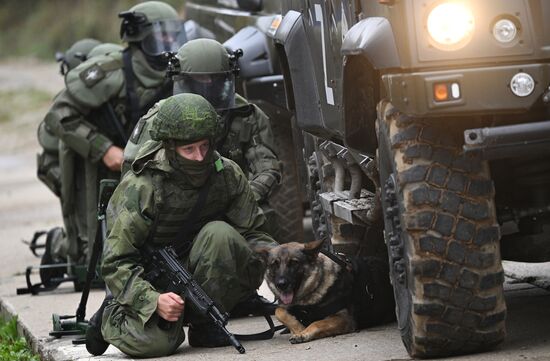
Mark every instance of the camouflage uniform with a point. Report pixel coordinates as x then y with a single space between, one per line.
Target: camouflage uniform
147 207
83 118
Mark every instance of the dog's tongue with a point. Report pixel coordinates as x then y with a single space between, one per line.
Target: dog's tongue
286 298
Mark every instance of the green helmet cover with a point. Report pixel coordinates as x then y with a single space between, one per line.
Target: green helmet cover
153 11
203 56
185 118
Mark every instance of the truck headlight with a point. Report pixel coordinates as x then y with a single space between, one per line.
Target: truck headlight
522 84
450 25
505 31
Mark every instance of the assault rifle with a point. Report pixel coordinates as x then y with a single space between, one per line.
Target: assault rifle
165 260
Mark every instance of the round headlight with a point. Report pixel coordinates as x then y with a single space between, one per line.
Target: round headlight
522 84
505 31
450 25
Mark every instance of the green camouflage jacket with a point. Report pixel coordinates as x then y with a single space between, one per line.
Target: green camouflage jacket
246 139
152 197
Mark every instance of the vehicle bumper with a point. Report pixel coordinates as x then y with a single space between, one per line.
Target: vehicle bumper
483 90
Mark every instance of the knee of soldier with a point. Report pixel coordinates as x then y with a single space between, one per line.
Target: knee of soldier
218 233
127 333
218 239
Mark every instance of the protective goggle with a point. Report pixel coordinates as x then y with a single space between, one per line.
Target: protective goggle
163 36
217 88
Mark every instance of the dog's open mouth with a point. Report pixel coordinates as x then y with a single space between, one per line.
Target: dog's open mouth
286 297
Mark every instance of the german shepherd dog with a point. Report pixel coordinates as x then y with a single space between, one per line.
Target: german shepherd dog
321 296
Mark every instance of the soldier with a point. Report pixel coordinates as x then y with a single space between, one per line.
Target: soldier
204 67
48 168
93 116
166 182
48 161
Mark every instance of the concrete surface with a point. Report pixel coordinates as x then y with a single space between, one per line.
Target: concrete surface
27 205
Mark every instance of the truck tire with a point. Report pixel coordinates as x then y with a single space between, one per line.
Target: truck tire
287 199
442 238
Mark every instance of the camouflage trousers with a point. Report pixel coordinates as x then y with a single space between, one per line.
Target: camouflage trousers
224 266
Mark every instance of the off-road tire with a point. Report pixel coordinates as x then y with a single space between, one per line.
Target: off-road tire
442 237
287 199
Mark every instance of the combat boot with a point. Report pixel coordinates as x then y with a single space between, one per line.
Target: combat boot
207 335
255 305
95 343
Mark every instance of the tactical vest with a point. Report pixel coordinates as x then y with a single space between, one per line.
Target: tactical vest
174 202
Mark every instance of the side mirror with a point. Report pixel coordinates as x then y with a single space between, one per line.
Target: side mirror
250 5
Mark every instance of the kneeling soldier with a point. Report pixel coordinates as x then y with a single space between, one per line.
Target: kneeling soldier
179 182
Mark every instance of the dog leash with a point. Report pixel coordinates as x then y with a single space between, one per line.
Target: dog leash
337 258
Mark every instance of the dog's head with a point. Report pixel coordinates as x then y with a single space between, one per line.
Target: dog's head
288 266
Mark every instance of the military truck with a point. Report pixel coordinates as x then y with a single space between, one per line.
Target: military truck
424 131
426 135
244 24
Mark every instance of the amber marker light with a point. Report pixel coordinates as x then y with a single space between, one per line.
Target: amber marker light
441 92
446 91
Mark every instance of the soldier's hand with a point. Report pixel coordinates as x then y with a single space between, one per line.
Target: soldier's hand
170 306
113 158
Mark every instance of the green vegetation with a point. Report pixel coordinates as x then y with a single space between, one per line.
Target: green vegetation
39 28
12 346
21 101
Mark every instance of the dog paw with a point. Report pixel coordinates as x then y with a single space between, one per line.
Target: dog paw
298 338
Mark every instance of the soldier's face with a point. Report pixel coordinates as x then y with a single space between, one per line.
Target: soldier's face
194 151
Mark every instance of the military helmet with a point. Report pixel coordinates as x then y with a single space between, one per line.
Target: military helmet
76 54
105 48
155 25
184 118
205 67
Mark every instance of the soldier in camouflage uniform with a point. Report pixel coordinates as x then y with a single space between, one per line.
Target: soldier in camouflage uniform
204 67
149 206
94 115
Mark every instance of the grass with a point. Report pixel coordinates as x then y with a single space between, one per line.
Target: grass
21 101
12 346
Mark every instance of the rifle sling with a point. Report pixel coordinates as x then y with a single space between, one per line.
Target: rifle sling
266 335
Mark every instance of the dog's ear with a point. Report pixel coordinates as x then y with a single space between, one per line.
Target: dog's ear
263 252
312 249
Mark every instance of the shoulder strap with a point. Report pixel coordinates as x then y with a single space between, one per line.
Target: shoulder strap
181 243
132 99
